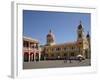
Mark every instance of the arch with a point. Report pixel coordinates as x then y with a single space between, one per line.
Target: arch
26 56
37 56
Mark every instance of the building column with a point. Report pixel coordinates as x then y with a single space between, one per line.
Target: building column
34 56
39 55
31 57
29 51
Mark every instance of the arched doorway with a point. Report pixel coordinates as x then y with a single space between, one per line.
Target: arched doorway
86 53
37 57
26 57
42 56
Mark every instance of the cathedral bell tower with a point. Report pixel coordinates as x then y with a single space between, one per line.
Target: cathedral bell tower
89 42
80 32
88 37
82 41
50 39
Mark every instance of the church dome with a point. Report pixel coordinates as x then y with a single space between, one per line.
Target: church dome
50 34
88 35
80 26
50 38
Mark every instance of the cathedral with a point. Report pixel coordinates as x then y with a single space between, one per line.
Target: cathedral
52 51
81 46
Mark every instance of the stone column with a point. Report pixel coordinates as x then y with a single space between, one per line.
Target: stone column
29 50
34 55
39 55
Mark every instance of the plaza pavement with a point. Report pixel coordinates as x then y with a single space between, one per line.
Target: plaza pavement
55 64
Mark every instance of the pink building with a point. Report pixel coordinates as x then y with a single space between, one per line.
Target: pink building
31 50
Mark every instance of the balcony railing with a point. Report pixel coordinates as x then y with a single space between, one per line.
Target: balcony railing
29 49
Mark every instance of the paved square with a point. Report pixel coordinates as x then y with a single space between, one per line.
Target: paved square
55 64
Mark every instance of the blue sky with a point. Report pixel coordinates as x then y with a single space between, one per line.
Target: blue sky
36 24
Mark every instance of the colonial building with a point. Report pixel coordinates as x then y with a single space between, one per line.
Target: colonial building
31 50
81 46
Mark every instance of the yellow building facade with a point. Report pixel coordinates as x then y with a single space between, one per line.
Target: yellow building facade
81 46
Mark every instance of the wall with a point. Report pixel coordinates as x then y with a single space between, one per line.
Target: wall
5 40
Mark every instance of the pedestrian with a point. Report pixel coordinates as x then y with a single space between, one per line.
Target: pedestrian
65 59
70 60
